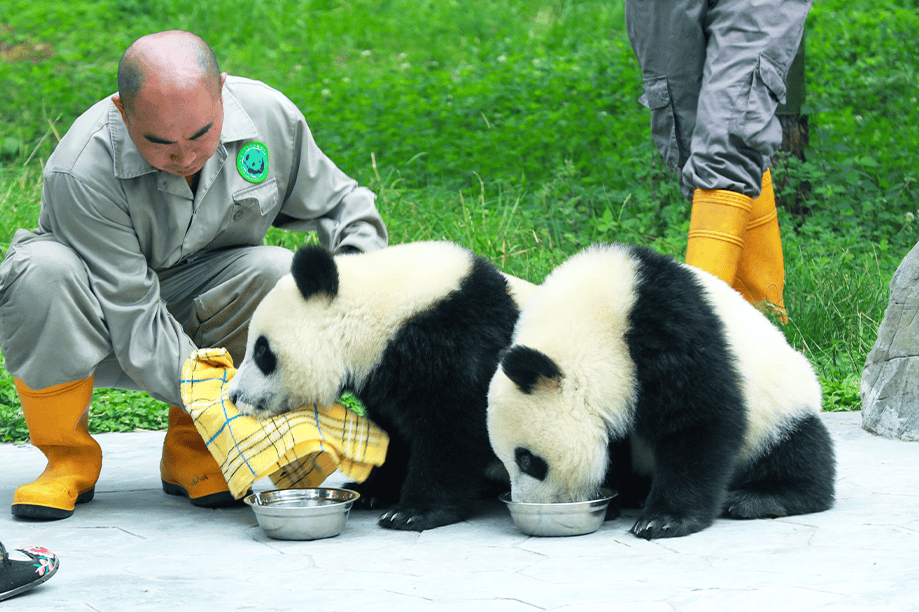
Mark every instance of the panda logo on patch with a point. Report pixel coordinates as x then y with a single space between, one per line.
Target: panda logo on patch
252 162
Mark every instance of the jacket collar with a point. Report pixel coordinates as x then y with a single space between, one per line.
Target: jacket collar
129 163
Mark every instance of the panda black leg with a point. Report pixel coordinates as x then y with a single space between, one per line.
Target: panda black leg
795 477
692 469
384 485
429 507
443 480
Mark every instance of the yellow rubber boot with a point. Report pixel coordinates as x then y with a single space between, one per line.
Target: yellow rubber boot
188 468
58 419
760 276
716 231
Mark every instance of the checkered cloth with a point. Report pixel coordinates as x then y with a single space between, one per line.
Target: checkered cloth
297 449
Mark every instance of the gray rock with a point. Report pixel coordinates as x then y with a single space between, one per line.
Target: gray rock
890 380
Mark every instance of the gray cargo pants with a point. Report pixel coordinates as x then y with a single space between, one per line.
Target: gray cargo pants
714 72
53 330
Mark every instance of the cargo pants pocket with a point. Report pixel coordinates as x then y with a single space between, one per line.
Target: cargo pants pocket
663 123
753 119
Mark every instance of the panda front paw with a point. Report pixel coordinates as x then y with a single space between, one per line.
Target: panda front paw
408 518
654 525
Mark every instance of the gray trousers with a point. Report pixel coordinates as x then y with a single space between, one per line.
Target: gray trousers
714 72
53 330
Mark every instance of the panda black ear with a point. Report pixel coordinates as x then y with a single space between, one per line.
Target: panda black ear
314 271
529 369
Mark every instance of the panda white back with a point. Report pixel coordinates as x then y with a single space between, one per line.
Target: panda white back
778 383
388 278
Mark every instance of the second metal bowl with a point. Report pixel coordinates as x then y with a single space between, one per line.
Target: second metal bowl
559 519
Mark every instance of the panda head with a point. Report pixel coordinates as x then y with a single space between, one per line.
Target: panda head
294 348
554 446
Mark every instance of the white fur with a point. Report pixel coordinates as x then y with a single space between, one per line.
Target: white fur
520 290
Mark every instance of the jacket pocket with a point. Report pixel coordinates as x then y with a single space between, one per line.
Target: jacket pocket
250 216
259 199
663 125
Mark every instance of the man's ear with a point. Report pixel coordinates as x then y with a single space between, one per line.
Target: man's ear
117 100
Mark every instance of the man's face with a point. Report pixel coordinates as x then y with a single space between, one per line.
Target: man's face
176 129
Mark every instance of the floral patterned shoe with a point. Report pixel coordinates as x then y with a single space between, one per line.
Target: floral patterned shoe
24 569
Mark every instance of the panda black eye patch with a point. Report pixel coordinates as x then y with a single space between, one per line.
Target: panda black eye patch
264 357
530 464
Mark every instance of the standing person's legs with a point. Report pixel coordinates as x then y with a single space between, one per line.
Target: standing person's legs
717 70
750 48
670 40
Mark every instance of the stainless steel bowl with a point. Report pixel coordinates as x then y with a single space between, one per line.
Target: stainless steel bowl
564 519
302 514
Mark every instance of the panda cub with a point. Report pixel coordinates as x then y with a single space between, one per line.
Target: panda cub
415 332
636 372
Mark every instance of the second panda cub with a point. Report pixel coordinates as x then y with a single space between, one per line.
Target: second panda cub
415 331
636 372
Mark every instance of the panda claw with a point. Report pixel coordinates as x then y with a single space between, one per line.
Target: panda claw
411 518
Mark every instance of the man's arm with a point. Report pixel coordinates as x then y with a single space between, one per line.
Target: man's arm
148 342
321 197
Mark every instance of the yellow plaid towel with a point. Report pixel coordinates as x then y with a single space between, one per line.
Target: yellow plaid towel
298 449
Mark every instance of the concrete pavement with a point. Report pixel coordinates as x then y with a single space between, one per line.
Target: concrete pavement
135 548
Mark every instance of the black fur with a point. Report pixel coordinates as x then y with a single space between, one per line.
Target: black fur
691 411
530 464
429 392
264 357
314 271
632 488
794 477
526 367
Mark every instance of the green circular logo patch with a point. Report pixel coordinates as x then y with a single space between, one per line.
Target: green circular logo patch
252 162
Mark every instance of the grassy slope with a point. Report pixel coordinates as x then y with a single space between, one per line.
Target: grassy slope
511 128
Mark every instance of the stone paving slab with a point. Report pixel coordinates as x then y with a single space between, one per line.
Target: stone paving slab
135 548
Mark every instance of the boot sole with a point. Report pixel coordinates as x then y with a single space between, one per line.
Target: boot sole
48 513
221 499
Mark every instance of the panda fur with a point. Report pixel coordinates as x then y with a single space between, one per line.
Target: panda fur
415 332
636 372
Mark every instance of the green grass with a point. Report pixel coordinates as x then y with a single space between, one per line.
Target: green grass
512 128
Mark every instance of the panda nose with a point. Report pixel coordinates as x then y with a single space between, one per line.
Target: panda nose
234 396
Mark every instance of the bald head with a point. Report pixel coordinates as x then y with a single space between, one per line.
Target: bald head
170 95
174 59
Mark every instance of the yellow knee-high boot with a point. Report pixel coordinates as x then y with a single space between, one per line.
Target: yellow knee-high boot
58 417
760 276
716 231
188 468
